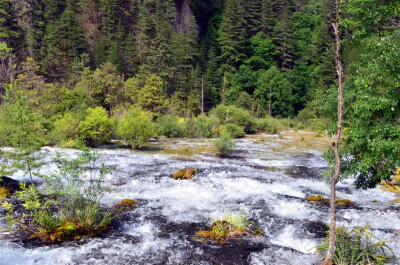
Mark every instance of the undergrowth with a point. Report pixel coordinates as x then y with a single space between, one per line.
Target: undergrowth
358 247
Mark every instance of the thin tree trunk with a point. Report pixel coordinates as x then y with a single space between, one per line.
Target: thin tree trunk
335 144
269 102
202 95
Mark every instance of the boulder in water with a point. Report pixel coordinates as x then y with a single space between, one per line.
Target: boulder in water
126 205
317 198
185 173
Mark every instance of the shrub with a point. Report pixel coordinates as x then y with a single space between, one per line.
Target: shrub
267 125
235 130
65 129
224 144
358 246
305 115
203 126
317 125
136 128
170 127
97 126
235 115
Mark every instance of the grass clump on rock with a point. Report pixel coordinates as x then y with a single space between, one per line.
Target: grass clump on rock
229 227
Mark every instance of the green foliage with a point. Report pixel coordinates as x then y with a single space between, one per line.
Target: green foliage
371 132
169 126
135 127
275 92
71 207
234 130
203 126
358 246
224 144
146 93
21 128
238 222
269 125
96 127
65 129
79 188
239 117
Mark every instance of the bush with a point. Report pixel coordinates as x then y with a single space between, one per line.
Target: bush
170 127
317 125
357 246
224 144
305 115
96 127
65 129
203 126
136 128
267 125
235 115
235 130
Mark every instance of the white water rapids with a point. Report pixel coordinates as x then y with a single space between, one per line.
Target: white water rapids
268 178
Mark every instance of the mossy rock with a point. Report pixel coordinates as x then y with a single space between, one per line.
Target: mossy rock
126 205
4 193
344 202
185 173
68 231
317 198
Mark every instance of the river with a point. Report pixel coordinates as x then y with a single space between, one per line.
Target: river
268 177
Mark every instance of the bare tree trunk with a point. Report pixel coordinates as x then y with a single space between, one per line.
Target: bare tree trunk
335 144
269 102
202 95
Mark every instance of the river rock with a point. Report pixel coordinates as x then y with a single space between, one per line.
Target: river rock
126 205
185 173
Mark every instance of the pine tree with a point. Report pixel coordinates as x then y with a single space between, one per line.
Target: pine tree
129 55
253 16
114 56
109 19
267 16
232 36
283 40
8 29
144 36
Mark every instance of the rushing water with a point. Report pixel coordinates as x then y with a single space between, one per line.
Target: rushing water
267 177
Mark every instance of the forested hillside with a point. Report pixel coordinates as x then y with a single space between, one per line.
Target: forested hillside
269 57
234 49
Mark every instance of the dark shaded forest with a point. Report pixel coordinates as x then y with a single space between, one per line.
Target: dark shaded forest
172 59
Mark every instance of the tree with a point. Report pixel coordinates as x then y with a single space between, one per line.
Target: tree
275 93
8 65
232 36
21 128
283 40
335 144
372 131
146 93
104 86
8 30
263 52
